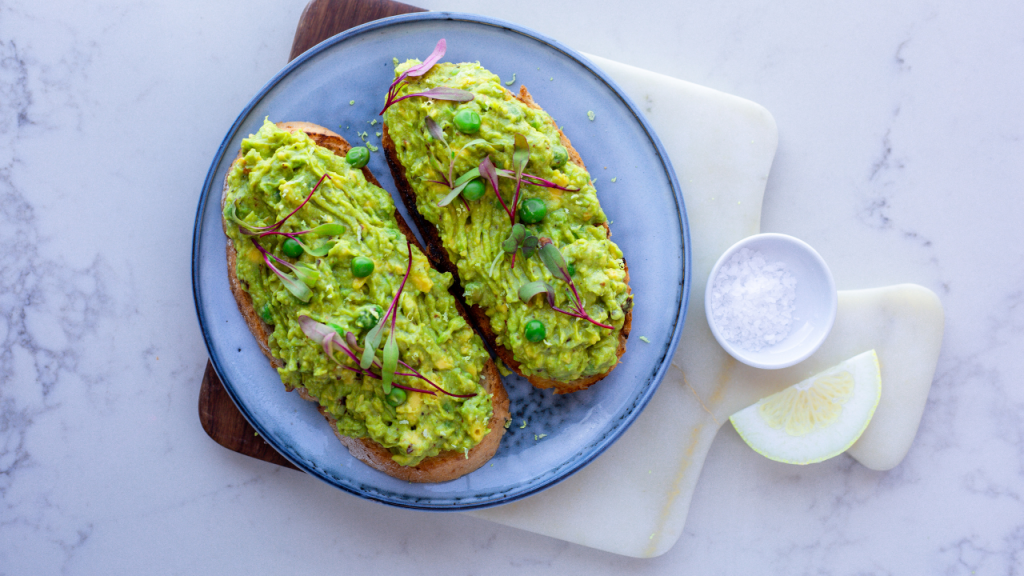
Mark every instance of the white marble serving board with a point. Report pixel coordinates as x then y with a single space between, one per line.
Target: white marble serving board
633 500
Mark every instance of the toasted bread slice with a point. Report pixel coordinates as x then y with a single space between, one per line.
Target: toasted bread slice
440 468
441 260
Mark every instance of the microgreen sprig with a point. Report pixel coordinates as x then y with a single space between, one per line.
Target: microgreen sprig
322 230
390 360
439 93
245 226
487 169
304 275
330 339
520 239
458 184
373 337
520 157
535 181
555 263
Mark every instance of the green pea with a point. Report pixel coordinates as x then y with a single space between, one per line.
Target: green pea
265 314
396 397
474 190
467 121
291 248
369 316
362 266
535 331
532 211
358 156
559 156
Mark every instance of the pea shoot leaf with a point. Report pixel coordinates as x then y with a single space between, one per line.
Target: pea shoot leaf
319 251
520 155
371 342
460 185
307 274
330 229
298 289
438 93
555 263
530 245
488 171
531 289
553 260
515 239
390 360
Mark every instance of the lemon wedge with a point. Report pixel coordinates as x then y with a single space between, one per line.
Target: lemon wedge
816 419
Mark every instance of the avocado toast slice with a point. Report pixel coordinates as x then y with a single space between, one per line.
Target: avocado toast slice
433 429
465 237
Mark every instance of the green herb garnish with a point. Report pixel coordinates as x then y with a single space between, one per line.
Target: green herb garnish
439 93
305 276
520 239
556 265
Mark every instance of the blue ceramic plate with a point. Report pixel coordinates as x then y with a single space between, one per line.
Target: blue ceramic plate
648 222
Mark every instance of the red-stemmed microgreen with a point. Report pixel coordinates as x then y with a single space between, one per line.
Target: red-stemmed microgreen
437 134
520 158
488 171
329 338
304 276
459 185
439 93
520 239
535 181
230 213
317 252
456 185
373 337
556 265
421 68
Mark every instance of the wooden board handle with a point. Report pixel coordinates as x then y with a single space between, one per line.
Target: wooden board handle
322 19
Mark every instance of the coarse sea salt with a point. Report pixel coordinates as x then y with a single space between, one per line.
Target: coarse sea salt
753 300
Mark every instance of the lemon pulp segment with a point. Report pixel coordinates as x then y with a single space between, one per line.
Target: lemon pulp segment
814 403
817 418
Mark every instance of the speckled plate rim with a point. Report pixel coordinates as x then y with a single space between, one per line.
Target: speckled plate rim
599 445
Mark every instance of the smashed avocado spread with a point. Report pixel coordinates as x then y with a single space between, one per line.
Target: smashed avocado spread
573 348
276 172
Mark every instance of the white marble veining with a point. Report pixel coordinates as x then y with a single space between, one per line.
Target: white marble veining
900 157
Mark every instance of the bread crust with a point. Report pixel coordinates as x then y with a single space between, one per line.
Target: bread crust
441 468
438 256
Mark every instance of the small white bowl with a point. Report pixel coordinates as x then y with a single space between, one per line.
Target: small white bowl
816 301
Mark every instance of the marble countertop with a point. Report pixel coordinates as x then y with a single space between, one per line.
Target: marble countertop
900 155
